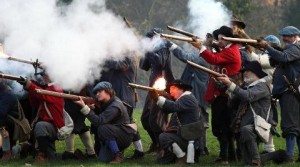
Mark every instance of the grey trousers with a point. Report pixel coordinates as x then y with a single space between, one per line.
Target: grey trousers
45 133
167 139
248 144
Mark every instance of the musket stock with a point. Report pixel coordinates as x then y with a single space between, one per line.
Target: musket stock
149 89
88 100
182 32
240 40
214 73
186 39
10 77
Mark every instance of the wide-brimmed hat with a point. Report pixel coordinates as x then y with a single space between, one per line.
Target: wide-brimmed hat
180 84
101 86
224 30
254 67
238 22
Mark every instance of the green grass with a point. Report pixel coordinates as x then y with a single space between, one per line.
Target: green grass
149 159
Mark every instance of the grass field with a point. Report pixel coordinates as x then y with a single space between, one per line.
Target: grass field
148 160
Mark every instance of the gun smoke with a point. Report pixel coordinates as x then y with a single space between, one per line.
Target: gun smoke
73 41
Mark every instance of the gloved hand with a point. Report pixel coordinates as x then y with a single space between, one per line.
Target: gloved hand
23 81
196 43
262 43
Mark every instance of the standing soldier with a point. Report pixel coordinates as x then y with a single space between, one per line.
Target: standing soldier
227 61
159 62
287 72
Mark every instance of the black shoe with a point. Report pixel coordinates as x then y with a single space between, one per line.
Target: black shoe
27 149
68 156
153 148
220 161
91 156
136 155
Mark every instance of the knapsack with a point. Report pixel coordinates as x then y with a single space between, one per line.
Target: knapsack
22 127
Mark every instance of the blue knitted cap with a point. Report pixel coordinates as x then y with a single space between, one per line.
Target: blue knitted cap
102 85
273 39
289 30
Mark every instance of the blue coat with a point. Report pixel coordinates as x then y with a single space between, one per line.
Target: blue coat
289 60
198 79
119 74
159 61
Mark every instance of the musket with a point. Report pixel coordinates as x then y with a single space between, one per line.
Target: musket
149 89
88 100
186 39
240 40
212 72
182 32
35 63
11 77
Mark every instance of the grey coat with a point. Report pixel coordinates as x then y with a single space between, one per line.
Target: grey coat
259 95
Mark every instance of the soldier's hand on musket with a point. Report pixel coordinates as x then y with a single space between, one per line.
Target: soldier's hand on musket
196 43
23 81
225 80
80 102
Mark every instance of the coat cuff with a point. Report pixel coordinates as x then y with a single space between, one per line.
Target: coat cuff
174 46
231 87
203 48
85 110
161 101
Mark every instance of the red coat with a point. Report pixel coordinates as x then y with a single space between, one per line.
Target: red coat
228 58
54 104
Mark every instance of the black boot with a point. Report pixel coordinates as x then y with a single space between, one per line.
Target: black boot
278 157
136 155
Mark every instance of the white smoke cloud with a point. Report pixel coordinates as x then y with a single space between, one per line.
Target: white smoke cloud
205 16
72 40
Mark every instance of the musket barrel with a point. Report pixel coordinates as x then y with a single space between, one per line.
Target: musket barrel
204 69
10 77
142 87
63 95
181 31
240 40
186 39
20 60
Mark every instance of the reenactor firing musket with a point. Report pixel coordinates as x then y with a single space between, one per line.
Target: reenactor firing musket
149 89
88 100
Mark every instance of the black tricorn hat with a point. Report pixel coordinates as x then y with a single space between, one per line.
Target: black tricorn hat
180 84
224 30
254 67
238 22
